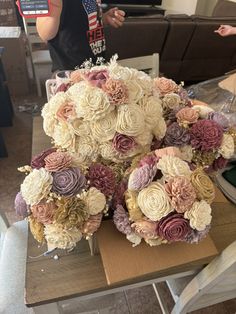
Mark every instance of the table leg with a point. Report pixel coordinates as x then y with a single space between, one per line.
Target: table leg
51 308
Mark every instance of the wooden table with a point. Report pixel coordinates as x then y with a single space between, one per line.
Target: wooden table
73 275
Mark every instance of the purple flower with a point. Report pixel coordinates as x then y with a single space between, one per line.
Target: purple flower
174 227
220 119
206 135
121 220
20 205
102 178
68 182
97 78
196 236
38 162
123 143
176 135
141 177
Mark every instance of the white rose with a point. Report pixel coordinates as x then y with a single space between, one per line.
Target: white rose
152 109
154 202
227 146
95 201
135 92
199 215
36 186
87 147
107 152
134 238
119 72
159 130
144 138
171 101
64 136
171 166
186 152
104 130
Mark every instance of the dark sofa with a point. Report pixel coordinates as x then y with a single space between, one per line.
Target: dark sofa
188 47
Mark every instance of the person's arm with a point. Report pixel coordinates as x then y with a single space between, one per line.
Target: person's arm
226 30
114 17
48 26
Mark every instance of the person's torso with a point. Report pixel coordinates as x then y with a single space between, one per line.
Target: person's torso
80 36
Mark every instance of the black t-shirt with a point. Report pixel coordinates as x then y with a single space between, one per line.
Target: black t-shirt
80 35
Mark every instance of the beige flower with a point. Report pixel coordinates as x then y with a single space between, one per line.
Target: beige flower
159 130
81 128
152 110
202 110
199 215
171 101
227 146
186 153
154 202
144 138
87 147
103 130
95 201
108 153
132 205
171 166
186 116
203 185
130 120
36 186
134 238
135 92
64 136
155 242
37 229
57 236
119 72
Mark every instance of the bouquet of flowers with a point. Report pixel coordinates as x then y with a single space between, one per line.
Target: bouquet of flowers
164 200
62 200
202 136
106 111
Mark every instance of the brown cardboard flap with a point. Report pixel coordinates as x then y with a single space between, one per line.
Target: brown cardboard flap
123 262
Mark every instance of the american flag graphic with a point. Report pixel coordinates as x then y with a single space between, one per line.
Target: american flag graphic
90 7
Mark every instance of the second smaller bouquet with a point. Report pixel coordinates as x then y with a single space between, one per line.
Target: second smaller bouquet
164 201
63 201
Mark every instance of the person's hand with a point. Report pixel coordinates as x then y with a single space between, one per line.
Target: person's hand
226 30
114 17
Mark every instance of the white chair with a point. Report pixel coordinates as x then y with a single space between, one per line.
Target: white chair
40 59
214 284
13 248
150 63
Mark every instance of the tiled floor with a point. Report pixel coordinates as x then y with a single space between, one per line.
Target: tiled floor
136 301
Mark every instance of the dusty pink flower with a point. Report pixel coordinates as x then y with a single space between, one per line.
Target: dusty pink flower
63 87
174 227
169 151
123 143
57 161
44 212
149 159
38 161
176 135
92 224
118 197
66 111
187 116
165 86
97 77
116 91
102 178
206 135
181 193
145 229
121 220
77 76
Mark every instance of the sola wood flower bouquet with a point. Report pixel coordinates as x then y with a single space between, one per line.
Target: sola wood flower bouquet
202 136
164 201
107 111
64 201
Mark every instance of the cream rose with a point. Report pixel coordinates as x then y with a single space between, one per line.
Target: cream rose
199 215
202 110
104 130
227 146
154 202
94 200
107 152
203 185
186 152
36 186
134 238
135 92
118 72
130 120
64 136
171 166
59 237
88 148
152 110
159 130
171 101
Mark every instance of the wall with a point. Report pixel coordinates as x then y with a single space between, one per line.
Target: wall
180 6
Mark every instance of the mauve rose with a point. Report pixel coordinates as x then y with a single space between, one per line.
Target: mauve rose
116 91
97 78
119 194
206 135
149 159
21 207
44 211
57 161
102 178
92 224
121 220
66 111
196 236
38 161
123 143
165 86
145 228
218 164
220 119
187 116
176 135
68 182
174 227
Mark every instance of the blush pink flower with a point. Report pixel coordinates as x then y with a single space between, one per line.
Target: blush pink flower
44 212
206 135
123 143
92 224
165 86
38 161
181 193
149 159
66 112
57 161
145 229
169 151
187 116
116 91
63 87
77 76
97 78
174 227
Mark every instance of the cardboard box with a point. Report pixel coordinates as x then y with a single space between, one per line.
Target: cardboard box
14 60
